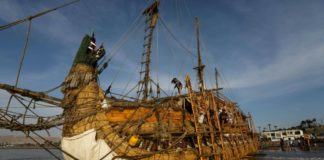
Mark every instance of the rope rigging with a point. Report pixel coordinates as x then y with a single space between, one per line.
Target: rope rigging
135 25
125 36
29 18
21 61
131 126
176 39
131 29
151 15
4 114
157 61
51 121
26 132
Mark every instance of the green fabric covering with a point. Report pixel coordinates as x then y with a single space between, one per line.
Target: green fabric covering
83 56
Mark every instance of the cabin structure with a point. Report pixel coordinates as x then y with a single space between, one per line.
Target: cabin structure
275 136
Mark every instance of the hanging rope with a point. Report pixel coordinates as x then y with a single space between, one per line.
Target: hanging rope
157 61
133 27
53 89
21 61
49 142
26 132
26 109
158 86
38 104
29 18
175 38
126 86
50 152
113 52
24 53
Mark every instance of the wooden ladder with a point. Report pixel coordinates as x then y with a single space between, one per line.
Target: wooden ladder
193 100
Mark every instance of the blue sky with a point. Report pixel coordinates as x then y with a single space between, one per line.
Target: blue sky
270 53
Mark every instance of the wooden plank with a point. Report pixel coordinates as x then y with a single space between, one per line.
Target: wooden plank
133 114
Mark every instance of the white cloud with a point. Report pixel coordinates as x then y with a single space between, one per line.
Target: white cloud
297 66
9 11
59 28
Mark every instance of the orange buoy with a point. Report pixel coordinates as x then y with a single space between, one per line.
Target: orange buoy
133 140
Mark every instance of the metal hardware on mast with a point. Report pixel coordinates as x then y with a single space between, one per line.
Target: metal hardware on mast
151 14
200 67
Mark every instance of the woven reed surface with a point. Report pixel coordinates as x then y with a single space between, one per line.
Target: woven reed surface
82 95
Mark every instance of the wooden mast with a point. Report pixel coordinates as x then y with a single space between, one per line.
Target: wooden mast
200 67
151 14
203 103
216 78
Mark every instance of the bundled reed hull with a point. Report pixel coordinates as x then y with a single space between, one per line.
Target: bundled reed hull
180 127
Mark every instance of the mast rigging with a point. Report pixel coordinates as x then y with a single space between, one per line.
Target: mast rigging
151 16
201 66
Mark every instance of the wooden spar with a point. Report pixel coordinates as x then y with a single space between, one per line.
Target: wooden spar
38 96
215 104
217 87
200 67
41 96
209 119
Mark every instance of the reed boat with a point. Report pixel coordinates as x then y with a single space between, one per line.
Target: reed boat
197 124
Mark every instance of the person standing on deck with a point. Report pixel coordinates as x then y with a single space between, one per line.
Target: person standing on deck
282 144
177 84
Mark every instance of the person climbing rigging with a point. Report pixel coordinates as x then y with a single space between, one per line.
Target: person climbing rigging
177 84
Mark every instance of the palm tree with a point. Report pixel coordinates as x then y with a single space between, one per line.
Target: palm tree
269 126
275 127
309 123
314 121
302 124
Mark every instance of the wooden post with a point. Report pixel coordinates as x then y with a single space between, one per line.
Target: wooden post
200 67
193 100
218 122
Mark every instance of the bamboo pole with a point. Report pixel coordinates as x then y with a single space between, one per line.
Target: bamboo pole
38 96
218 123
211 128
194 110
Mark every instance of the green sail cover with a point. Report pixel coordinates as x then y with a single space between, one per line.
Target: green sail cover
85 55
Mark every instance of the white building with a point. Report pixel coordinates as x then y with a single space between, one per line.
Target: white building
285 134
